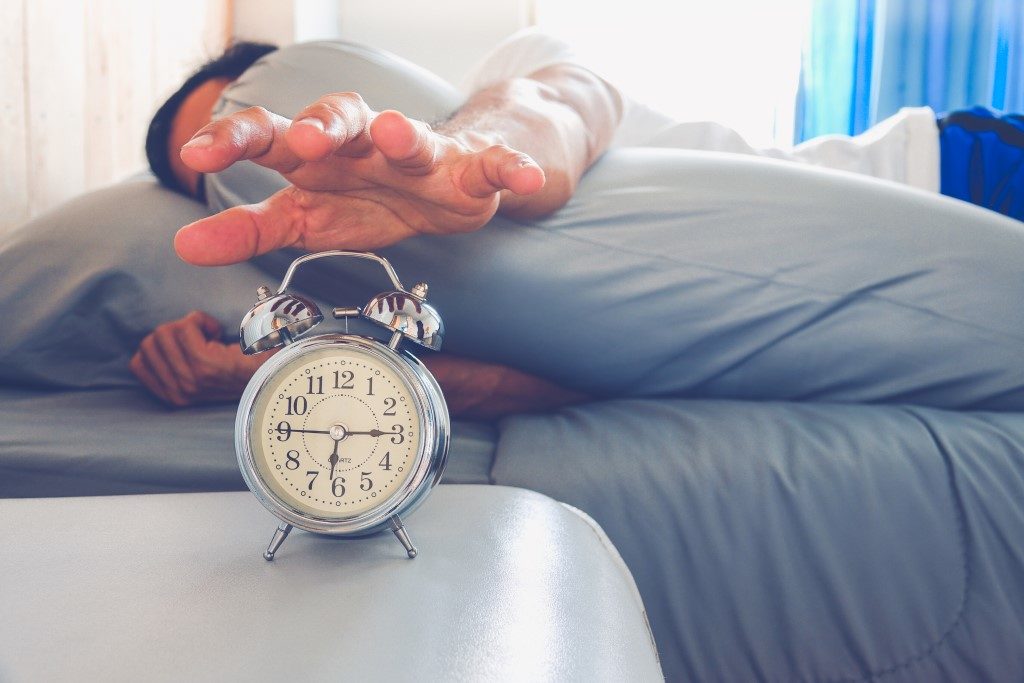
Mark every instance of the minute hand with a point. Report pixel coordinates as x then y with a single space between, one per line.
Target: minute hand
372 432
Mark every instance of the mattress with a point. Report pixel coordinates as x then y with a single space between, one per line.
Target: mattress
122 441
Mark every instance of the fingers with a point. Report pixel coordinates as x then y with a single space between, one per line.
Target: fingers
192 341
254 134
242 232
205 323
156 367
173 356
334 124
169 361
407 144
500 168
141 370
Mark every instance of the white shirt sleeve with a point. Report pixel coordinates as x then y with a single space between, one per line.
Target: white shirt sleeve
521 54
531 50
903 148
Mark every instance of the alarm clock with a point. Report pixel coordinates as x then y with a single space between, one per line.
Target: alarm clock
341 434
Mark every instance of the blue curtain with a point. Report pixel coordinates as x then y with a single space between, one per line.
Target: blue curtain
865 59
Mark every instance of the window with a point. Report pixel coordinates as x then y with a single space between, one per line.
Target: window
736 62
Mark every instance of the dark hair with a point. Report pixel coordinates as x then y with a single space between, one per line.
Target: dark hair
235 60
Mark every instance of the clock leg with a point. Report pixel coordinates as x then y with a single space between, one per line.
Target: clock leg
275 543
402 535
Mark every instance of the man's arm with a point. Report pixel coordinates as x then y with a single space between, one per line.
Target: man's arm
363 180
562 116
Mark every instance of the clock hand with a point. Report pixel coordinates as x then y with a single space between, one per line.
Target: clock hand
374 432
334 457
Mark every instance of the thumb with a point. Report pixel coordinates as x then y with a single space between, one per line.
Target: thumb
242 232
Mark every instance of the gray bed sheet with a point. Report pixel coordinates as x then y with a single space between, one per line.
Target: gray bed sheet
122 441
777 541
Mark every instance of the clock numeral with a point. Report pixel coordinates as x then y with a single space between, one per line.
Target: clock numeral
369 391
343 380
292 461
385 462
397 436
312 477
297 405
338 487
389 407
365 483
319 383
284 431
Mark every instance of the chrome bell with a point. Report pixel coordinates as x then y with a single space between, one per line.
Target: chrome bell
276 320
408 313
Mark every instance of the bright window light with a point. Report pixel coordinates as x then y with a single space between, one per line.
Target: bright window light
736 62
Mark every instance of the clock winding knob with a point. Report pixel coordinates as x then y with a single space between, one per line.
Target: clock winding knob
419 290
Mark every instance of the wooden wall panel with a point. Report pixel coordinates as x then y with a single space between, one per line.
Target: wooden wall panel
13 128
80 80
119 88
55 80
135 90
102 81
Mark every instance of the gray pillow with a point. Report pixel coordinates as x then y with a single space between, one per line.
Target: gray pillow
82 285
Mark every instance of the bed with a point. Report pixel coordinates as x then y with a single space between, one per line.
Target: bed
795 534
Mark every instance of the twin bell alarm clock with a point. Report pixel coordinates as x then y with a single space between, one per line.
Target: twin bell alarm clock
341 434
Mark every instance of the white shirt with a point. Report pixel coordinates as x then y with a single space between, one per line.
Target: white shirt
903 148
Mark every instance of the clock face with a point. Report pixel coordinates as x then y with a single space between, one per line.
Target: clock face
335 432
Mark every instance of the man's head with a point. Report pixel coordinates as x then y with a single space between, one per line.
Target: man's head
189 109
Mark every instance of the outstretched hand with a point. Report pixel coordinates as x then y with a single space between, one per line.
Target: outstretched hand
359 180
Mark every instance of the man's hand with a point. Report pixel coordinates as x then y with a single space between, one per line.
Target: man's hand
184 362
359 180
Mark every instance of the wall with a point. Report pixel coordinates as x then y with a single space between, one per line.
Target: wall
79 81
448 37
282 22
445 36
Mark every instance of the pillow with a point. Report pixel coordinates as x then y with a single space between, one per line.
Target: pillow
82 285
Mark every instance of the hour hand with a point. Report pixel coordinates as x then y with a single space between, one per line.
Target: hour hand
334 457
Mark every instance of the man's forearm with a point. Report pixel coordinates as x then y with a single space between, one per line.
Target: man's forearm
563 116
478 390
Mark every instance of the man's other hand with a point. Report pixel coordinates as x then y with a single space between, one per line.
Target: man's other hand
183 362
359 180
